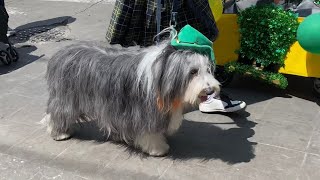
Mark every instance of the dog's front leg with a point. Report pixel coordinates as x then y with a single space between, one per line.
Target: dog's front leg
175 121
153 144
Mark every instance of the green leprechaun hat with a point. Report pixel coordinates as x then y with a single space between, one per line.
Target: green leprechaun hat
191 39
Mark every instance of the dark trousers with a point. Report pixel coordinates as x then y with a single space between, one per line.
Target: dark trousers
1 2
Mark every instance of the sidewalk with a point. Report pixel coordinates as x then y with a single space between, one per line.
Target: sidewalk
277 137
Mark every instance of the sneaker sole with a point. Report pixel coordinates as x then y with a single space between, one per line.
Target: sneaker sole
231 109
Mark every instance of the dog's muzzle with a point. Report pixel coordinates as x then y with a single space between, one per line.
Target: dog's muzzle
209 91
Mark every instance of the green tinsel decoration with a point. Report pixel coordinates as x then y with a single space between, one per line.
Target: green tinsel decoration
267 32
275 79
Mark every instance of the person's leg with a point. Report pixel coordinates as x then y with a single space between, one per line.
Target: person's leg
198 14
10 31
221 103
2 3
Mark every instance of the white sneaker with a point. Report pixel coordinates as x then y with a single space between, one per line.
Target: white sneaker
10 32
222 104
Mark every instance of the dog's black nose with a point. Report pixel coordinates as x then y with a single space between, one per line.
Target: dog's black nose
209 90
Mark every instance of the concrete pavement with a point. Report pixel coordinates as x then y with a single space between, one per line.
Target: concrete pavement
277 137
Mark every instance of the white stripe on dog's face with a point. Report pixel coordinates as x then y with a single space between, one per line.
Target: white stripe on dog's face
144 70
181 74
202 81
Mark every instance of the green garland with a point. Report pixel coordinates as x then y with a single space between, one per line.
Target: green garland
317 2
276 79
266 35
267 32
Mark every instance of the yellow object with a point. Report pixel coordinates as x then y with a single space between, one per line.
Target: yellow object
228 40
217 8
298 61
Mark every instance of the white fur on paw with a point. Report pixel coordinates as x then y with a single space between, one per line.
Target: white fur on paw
61 137
159 149
45 120
153 144
175 122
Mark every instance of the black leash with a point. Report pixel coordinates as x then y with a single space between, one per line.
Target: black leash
158 18
174 13
173 18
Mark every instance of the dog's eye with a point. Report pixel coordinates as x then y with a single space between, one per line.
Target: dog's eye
194 71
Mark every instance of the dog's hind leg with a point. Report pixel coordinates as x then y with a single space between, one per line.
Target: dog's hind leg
60 120
58 136
57 131
152 144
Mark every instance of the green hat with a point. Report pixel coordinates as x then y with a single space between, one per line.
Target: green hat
191 39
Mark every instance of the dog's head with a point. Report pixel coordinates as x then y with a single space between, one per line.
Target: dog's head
185 76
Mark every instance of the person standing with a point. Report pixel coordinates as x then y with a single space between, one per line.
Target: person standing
10 31
133 22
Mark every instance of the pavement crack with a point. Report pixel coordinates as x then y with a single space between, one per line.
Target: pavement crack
314 132
264 109
62 152
281 147
167 168
85 9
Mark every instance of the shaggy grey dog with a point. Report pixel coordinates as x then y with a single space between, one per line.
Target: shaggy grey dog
135 95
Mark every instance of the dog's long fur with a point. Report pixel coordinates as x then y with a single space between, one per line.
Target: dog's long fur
130 92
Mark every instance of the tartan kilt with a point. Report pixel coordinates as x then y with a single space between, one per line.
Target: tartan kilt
133 22
4 17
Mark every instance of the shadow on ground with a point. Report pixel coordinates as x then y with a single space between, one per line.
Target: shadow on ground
25 58
27 31
89 131
205 140
200 140
252 91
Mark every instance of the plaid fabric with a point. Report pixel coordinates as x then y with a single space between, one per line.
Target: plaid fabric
3 24
134 21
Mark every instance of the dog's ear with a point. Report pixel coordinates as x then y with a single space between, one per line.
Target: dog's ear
165 95
172 78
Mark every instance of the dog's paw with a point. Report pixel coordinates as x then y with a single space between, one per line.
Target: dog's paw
152 144
61 137
159 149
